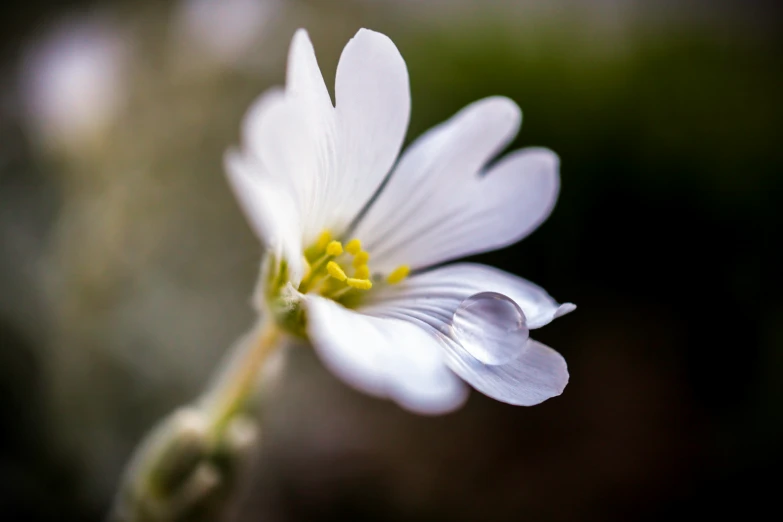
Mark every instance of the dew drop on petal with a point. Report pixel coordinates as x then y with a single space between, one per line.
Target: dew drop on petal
491 327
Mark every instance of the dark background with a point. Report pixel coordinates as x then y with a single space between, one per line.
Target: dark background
126 268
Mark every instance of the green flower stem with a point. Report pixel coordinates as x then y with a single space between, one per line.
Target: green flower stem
239 376
187 467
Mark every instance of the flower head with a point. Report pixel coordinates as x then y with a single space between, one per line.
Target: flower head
352 233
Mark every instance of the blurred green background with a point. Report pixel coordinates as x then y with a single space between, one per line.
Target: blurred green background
126 267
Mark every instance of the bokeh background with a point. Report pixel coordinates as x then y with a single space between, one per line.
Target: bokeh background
126 268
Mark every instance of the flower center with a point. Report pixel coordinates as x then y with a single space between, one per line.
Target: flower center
337 272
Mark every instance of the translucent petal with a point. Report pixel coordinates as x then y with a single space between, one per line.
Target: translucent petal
437 162
439 205
386 358
435 295
373 107
434 300
303 76
269 209
332 159
538 374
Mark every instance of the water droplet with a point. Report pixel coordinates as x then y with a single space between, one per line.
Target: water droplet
491 327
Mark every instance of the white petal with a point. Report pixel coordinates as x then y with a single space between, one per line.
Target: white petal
333 160
303 77
265 149
454 151
538 374
292 134
429 300
439 206
373 107
252 123
386 358
269 208
315 140
433 296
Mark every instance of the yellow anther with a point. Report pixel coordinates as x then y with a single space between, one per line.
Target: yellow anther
361 258
335 271
334 248
323 240
353 247
362 272
361 284
398 274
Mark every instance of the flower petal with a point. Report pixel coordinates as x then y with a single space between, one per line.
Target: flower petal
386 358
303 77
432 297
292 134
333 159
373 108
539 373
269 209
438 205
429 301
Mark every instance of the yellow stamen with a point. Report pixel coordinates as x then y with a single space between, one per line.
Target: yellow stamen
323 240
353 247
328 276
335 271
361 284
362 272
307 266
337 294
398 274
334 248
361 258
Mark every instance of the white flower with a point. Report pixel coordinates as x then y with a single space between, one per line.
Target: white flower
339 250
